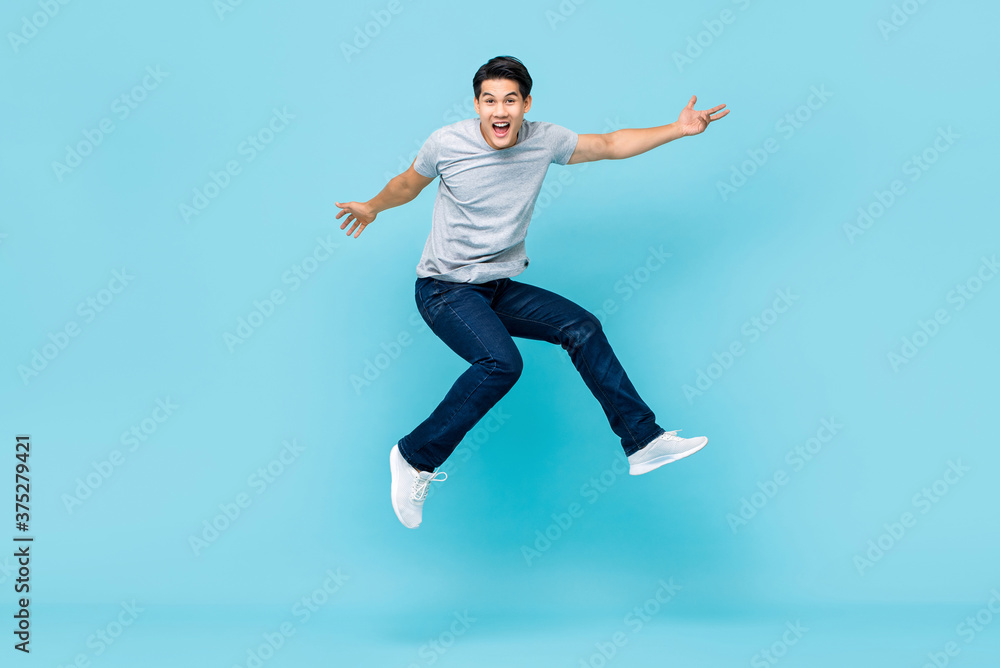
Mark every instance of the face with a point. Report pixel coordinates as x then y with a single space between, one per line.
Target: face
500 103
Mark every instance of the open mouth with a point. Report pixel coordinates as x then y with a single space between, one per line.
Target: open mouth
501 129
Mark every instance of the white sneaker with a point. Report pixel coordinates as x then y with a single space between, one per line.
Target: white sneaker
409 488
665 448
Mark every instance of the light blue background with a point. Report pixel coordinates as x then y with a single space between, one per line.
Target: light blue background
358 120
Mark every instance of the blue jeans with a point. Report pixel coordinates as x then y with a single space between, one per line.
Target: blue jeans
477 321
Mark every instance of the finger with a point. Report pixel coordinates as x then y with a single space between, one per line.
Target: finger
690 104
353 227
718 116
715 109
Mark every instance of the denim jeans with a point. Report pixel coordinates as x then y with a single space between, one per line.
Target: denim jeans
477 321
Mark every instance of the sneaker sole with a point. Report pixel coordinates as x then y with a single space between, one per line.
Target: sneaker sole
656 463
392 486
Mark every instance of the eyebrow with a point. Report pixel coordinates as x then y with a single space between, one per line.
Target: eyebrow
485 93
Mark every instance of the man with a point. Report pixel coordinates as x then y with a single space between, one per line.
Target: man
491 171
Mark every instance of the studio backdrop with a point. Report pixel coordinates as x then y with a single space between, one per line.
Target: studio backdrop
202 375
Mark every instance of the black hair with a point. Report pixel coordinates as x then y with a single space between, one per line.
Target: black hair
503 67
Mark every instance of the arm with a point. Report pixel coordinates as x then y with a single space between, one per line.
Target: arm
400 190
633 141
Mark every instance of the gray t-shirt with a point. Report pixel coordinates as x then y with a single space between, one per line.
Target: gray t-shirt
485 197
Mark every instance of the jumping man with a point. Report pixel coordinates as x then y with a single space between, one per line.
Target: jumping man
491 170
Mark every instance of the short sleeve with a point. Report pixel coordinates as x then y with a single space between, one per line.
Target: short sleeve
426 163
563 142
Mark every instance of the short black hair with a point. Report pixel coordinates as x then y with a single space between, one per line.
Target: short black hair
503 67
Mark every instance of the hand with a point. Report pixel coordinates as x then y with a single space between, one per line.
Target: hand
693 122
361 216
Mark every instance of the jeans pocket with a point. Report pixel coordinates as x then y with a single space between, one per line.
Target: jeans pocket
426 294
435 288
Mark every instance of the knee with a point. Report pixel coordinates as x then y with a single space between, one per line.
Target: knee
584 327
508 366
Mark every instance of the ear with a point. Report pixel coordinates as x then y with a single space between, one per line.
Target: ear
527 102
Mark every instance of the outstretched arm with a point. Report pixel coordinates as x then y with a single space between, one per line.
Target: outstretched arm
400 190
633 141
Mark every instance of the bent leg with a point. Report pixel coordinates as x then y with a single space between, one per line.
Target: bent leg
531 312
461 316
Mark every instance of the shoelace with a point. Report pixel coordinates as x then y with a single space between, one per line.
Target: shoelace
419 491
672 435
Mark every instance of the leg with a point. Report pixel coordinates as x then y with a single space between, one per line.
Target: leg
460 314
535 313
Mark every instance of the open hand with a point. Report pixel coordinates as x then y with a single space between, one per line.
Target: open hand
360 214
693 122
